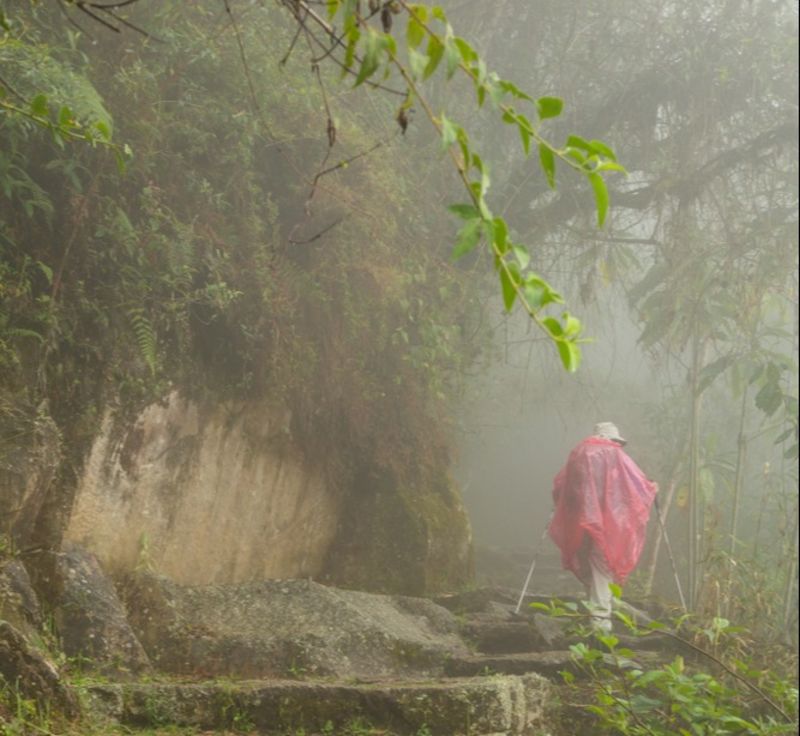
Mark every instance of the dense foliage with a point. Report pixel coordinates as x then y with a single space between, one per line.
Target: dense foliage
201 265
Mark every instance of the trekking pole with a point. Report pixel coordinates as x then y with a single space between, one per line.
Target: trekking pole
669 553
533 566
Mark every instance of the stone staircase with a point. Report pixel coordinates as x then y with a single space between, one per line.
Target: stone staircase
504 683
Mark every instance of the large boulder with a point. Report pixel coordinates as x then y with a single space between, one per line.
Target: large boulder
288 628
89 615
19 604
27 671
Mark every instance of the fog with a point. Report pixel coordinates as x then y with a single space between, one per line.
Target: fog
326 292
521 419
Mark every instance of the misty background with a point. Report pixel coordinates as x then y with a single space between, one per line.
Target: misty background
283 237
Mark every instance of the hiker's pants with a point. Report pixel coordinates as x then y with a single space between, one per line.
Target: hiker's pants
599 593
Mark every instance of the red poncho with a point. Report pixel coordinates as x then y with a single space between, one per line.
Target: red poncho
600 496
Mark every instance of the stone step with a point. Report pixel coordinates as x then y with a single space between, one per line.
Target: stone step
503 637
503 705
547 664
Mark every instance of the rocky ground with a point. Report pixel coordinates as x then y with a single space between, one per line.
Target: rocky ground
295 658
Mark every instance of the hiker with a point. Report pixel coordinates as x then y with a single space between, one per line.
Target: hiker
602 501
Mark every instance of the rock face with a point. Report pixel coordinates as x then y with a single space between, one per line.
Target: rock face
222 494
207 494
30 452
397 538
288 629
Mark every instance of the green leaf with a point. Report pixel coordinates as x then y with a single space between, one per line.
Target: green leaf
572 325
66 119
600 196
103 129
479 70
602 149
350 52
576 155
710 372
611 166
371 61
608 640
466 51
500 235
548 162
464 211
513 90
769 398
549 107
350 7
509 277
46 270
452 56
419 11
522 255
449 132
616 591
525 132
485 179
538 293
418 63
468 238
435 54
553 326
570 355
415 33
575 141
39 106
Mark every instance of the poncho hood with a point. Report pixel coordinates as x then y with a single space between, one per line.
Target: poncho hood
601 496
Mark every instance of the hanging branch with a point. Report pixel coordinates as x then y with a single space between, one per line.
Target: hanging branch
367 49
110 9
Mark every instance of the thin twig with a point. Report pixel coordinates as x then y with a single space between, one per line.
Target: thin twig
288 53
331 33
315 237
12 90
246 67
126 23
348 161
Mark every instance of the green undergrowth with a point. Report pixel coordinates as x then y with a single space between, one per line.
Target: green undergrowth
718 680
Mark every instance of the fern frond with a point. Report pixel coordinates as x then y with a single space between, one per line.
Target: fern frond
145 338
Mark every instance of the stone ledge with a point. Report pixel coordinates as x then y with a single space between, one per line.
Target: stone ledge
513 706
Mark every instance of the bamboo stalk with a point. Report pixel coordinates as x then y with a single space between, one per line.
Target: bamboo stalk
648 585
738 482
694 468
788 596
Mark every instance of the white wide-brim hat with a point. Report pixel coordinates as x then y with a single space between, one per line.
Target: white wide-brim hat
609 431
